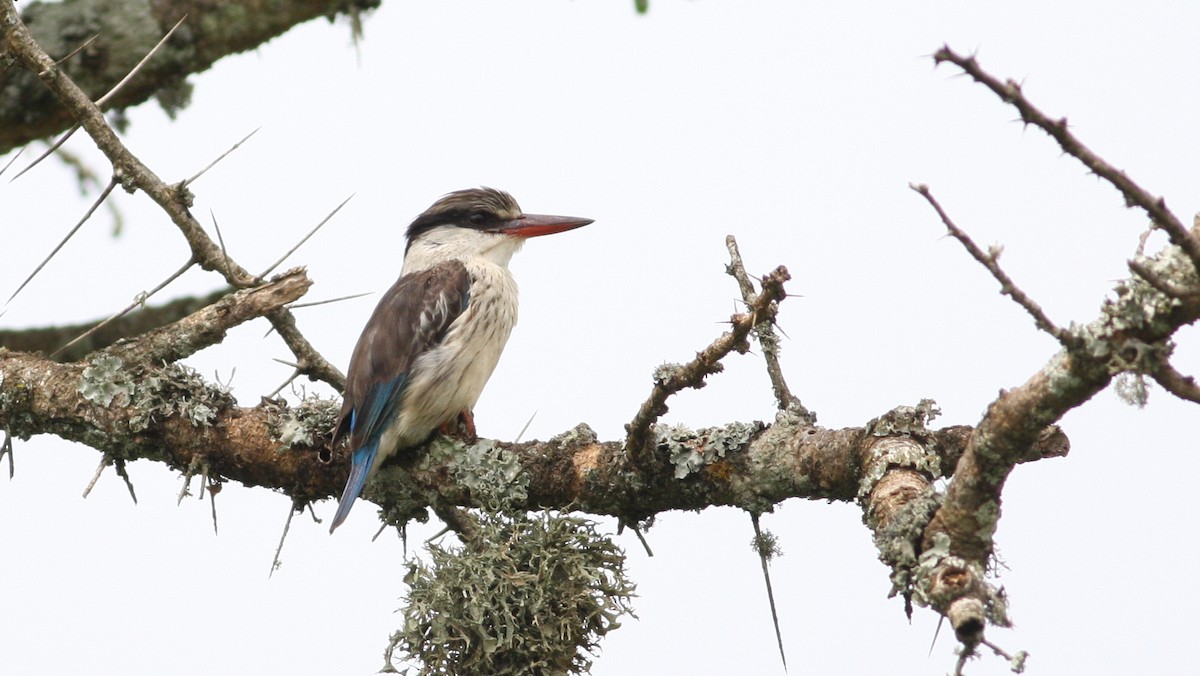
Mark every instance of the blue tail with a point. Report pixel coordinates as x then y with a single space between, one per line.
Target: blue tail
360 467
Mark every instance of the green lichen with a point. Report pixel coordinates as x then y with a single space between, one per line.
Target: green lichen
534 595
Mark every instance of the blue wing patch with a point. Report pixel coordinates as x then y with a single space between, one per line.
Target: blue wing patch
411 318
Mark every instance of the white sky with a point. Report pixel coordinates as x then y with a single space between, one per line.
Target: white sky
795 126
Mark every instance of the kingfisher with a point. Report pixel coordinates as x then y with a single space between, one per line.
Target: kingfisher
435 337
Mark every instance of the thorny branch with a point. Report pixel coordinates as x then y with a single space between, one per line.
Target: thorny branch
990 260
671 378
174 200
1131 335
1009 91
765 333
575 470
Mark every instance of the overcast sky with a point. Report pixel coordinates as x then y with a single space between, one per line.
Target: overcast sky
795 126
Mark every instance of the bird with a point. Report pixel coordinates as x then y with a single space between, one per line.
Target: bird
435 337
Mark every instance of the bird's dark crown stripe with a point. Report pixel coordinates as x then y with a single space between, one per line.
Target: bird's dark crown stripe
457 208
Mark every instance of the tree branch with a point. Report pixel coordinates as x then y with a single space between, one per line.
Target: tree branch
105 40
140 321
1135 196
671 378
175 200
1131 334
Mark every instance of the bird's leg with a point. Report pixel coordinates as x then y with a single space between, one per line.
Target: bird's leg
462 427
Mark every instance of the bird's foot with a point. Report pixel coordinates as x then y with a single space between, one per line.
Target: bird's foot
461 428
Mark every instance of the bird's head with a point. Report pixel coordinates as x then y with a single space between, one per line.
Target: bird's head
478 222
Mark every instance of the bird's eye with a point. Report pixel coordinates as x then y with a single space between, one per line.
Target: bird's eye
477 218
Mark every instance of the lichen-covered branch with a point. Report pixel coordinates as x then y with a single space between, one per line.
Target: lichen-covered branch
123 408
671 378
133 175
103 40
1132 335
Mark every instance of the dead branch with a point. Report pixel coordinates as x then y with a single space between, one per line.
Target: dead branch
1009 91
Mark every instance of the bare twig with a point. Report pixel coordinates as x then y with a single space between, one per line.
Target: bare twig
220 240
1010 92
78 49
48 152
989 260
187 480
136 69
120 466
296 306
670 379
766 549
305 238
1160 284
525 428
12 159
458 520
213 488
139 301
104 460
765 331
91 210
6 448
291 378
1176 383
133 174
275 562
220 157
642 539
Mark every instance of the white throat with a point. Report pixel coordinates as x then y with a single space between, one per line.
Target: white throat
449 242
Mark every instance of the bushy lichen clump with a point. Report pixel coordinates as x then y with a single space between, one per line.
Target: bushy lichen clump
533 595
305 424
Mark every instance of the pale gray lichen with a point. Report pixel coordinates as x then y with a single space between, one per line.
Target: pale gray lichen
492 474
690 450
897 541
995 600
766 545
905 420
174 389
898 451
663 373
153 393
104 381
1131 388
305 424
579 435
